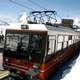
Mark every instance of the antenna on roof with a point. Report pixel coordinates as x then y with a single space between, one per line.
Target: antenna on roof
37 16
49 15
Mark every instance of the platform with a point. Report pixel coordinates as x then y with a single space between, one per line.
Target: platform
4 74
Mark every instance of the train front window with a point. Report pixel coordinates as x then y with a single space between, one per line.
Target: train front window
17 42
36 48
28 45
35 45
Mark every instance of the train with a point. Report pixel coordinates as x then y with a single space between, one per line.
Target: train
37 50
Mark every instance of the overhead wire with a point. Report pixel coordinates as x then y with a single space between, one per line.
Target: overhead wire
40 6
55 13
36 4
19 4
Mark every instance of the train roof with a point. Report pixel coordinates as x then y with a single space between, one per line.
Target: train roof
37 27
50 29
61 30
53 29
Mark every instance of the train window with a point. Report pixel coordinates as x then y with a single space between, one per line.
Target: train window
60 42
73 37
65 44
70 37
70 42
36 43
51 45
59 46
66 38
60 38
30 45
13 42
76 39
79 37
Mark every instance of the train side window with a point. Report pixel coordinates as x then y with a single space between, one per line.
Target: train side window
51 45
59 46
77 37
65 45
60 42
60 38
70 40
66 38
73 38
70 37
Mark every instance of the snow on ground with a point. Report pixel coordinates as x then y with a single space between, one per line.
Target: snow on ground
74 74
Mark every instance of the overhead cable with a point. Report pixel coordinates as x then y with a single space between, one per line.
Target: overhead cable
36 4
20 4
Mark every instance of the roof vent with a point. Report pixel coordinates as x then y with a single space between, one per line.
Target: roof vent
24 27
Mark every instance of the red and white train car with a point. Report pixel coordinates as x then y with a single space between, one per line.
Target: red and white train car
39 49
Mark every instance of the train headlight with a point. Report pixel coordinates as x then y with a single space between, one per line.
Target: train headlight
35 68
6 59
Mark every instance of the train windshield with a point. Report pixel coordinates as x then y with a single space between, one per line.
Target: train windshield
17 42
25 46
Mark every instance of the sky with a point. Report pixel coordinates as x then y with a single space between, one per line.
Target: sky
64 8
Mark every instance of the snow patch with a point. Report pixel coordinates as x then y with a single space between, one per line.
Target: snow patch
75 71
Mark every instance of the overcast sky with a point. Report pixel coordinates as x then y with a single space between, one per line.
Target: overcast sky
64 8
